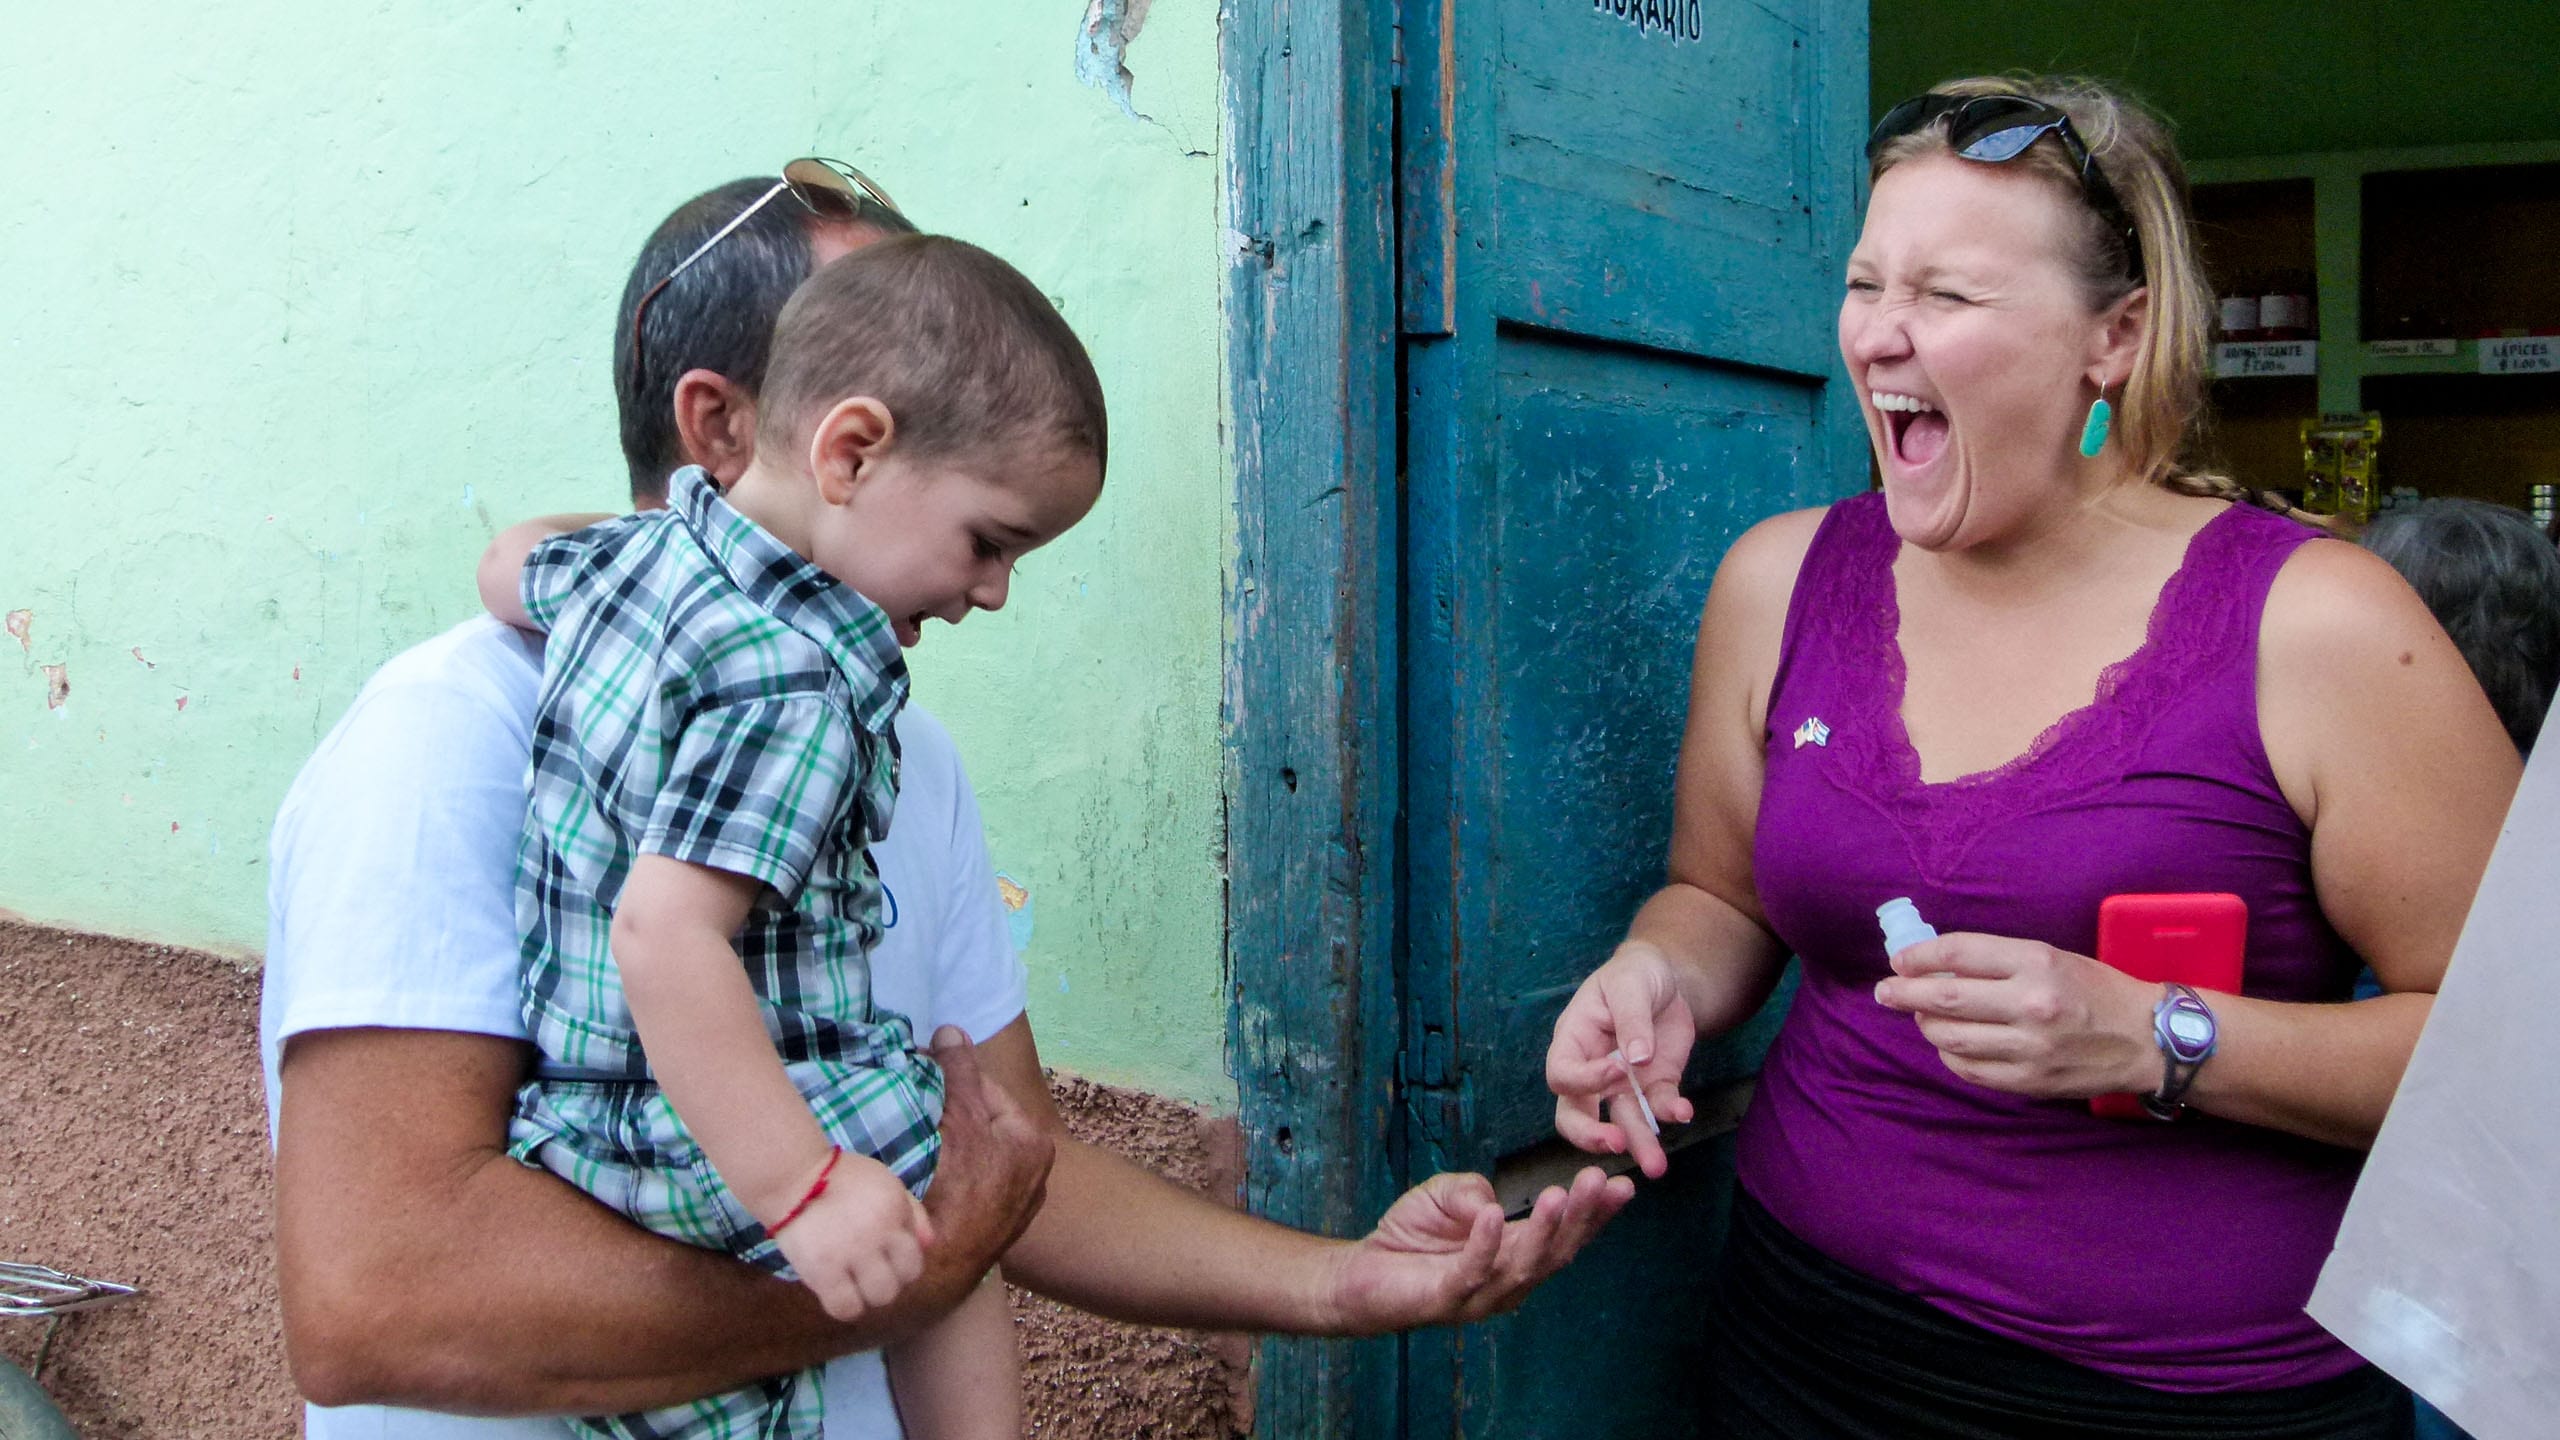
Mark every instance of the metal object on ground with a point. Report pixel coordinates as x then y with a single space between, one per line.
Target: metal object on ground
40 1291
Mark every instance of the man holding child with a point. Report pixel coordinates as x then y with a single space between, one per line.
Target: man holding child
423 1267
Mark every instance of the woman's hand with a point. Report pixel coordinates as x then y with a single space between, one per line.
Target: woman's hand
2024 1017
1633 1006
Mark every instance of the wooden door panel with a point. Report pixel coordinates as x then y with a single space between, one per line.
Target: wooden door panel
1622 243
1621 478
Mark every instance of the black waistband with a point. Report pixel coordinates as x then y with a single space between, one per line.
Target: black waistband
1807 1349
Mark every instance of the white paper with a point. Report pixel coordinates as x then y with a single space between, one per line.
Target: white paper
2233 361
2520 355
2447 1268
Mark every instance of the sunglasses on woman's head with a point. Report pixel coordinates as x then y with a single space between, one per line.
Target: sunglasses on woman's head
1995 129
822 186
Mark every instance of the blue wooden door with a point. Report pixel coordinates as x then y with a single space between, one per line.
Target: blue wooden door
1622 227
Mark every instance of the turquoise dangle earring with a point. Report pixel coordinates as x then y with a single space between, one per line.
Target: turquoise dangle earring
2093 435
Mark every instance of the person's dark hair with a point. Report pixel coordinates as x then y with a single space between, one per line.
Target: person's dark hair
964 351
2493 581
718 315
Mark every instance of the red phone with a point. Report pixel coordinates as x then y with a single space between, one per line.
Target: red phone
2198 940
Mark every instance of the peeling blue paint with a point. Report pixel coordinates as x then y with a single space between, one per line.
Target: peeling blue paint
1102 49
1017 913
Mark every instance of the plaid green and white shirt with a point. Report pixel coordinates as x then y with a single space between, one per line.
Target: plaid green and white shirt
710 696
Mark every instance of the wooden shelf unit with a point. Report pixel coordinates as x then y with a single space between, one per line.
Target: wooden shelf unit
2453 239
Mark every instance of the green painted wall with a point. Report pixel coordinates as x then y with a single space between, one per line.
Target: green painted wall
302 301
2260 77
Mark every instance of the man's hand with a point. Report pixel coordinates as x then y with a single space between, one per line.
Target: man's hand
988 1183
1442 1254
993 1174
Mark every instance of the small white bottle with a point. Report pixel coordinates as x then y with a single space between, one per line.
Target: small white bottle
1903 927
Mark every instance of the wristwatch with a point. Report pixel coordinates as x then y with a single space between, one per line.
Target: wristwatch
2182 1024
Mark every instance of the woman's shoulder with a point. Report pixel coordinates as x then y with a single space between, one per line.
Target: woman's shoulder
2332 601
1763 561
1742 633
2345 641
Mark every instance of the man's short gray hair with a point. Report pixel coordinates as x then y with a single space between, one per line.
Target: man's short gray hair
2493 581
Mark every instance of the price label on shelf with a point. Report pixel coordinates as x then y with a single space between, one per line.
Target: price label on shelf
2520 355
2282 357
2411 349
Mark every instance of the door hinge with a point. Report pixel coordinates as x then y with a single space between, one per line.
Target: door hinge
1395 47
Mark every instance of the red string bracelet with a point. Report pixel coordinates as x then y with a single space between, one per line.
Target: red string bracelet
817 1188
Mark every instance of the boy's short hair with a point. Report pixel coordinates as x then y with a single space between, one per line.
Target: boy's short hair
961 347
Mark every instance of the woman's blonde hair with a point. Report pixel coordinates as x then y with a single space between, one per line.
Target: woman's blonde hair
2159 418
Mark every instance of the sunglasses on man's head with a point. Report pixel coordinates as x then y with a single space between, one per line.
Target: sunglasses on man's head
822 186
1995 129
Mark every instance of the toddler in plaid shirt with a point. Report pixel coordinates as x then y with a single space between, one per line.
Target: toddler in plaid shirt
712 758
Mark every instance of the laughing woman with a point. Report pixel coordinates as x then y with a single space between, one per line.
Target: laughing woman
2049 663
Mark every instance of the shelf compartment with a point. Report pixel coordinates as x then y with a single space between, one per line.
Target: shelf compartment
2256 431
2464 251
2488 437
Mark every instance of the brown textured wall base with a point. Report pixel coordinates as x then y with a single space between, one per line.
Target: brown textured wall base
133 1147
136 1150
1084 1376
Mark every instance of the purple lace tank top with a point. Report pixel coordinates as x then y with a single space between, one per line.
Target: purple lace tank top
2177 1256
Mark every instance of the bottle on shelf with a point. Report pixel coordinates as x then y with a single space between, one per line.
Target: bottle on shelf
2239 316
2339 463
2284 310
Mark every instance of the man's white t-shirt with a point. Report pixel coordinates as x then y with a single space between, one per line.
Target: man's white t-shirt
391 903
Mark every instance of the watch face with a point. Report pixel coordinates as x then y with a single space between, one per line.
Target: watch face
2190 1030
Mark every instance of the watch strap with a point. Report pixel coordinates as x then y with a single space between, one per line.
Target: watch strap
2180 1055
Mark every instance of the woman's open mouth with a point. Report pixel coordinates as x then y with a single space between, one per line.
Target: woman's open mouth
1915 430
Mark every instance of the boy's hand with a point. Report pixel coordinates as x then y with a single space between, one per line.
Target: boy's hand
860 1242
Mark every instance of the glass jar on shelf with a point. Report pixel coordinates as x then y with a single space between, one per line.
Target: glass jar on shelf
2339 465
2285 309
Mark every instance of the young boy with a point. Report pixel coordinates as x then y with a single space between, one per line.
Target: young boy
712 758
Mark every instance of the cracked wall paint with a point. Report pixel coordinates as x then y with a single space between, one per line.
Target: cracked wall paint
1102 49
438 322
21 624
1018 913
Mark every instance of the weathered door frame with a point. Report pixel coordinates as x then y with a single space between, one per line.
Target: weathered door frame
1313 783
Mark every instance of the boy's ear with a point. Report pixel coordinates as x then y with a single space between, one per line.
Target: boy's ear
715 424
854 432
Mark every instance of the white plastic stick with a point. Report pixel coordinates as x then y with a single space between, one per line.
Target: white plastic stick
1642 1104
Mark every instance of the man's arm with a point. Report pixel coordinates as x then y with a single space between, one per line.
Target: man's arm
420 1266
1118 1240
501 573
